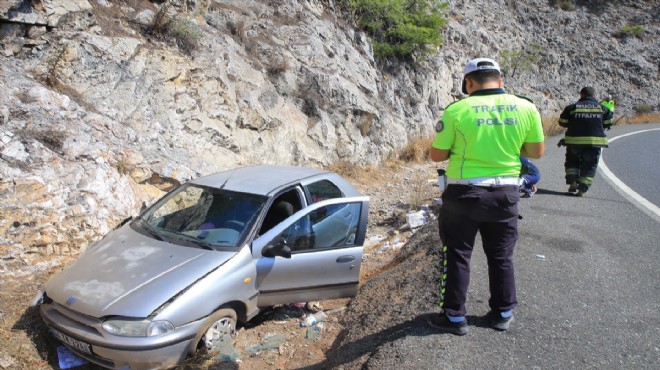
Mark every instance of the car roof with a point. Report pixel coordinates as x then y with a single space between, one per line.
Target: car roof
266 179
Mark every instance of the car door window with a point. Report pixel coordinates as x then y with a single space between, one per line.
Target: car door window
284 205
323 189
331 226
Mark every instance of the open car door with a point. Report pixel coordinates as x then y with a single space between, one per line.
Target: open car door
313 255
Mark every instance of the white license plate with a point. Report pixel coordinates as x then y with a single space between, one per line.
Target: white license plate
73 343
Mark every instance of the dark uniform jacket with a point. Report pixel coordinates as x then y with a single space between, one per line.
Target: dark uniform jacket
585 122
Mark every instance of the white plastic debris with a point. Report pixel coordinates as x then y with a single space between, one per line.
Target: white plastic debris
416 219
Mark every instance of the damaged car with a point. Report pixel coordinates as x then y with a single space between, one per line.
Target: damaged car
212 253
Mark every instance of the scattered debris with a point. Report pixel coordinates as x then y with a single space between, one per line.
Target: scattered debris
419 218
540 256
336 310
226 350
313 318
68 359
314 330
314 306
270 341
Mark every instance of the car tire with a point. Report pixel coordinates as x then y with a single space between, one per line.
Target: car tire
223 327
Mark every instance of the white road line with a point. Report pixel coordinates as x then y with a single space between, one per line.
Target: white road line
646 206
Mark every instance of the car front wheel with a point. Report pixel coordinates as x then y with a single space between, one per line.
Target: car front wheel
221 330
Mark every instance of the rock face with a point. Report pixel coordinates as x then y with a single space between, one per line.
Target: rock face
99 114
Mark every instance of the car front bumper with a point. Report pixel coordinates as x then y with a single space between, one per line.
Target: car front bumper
87 339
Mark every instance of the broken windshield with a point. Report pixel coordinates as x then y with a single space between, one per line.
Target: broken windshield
210 216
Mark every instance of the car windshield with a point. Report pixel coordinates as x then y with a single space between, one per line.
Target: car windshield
207 217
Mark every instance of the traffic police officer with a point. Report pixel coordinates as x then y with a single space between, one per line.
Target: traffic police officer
585 121
483 136
608 102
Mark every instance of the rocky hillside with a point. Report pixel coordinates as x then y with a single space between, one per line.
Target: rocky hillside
101 111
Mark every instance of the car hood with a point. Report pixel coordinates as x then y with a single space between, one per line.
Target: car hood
130 274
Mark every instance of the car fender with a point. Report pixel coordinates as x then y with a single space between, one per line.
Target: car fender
234 282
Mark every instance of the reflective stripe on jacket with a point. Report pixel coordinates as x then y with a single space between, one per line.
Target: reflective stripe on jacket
584 121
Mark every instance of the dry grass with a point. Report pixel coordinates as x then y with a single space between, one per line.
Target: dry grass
23 335
51 139
366 121
367 175
551 126
653 117
419 191
277 66
416 151
237 29
54 66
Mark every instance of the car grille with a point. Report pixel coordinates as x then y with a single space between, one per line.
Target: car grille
63 319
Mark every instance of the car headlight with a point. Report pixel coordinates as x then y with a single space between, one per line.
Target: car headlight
137 328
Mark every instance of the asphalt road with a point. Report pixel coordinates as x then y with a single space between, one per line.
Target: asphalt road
634 158
588 278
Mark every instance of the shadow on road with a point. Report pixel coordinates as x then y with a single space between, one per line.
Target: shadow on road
554 192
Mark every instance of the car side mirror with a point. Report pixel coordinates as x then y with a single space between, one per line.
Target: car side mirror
278 248
143 207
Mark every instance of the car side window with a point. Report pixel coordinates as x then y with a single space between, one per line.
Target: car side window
284 205
327 227
323 189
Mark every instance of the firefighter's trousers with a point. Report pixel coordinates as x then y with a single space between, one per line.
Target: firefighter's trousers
581 164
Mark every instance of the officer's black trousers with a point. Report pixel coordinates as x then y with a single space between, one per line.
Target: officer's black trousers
493 212
581 164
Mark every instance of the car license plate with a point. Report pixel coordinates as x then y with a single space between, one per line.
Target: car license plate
73 343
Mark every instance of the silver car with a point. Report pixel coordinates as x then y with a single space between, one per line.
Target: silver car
212 252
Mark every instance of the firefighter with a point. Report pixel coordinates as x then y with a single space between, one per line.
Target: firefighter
585 122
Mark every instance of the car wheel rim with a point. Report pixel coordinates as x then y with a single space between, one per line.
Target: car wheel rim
221 330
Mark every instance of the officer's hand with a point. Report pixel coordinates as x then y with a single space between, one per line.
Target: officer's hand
560 143
608 127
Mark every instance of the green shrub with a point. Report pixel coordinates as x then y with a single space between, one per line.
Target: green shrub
401 28
566 4
631 30
186 33
523 60
165 24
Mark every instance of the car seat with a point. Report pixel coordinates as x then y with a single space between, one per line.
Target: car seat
276 214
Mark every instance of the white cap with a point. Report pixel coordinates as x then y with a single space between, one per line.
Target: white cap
479 64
